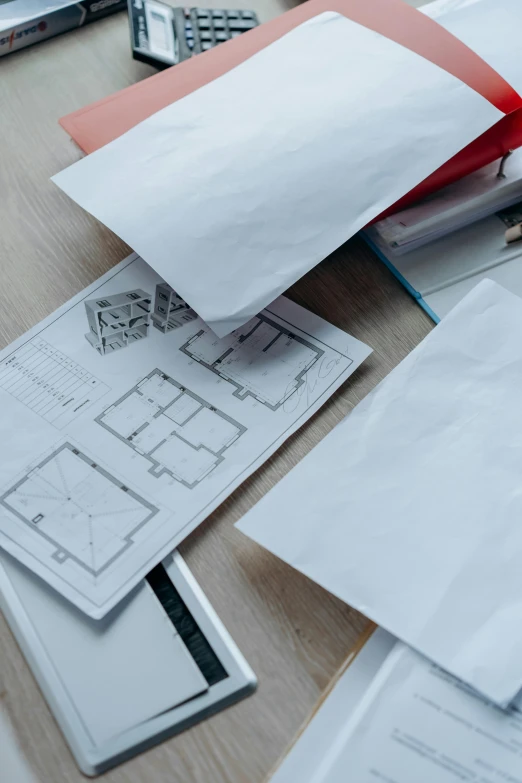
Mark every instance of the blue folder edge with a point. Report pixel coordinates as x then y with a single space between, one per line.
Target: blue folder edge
402 280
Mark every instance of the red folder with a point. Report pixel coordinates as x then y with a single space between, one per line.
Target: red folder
101 122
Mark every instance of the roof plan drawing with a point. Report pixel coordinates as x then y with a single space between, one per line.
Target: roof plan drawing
177 431
262 359
121 444
80 508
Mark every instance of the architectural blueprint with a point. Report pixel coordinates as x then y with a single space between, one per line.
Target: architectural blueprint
79 507
179 432
262 358
48 382
117 447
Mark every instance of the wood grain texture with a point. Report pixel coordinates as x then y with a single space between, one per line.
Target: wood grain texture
293 633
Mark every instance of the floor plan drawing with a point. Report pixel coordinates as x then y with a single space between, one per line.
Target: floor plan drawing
180 434
261 359
80 508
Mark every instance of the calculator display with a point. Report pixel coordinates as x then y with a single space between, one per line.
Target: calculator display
165 35
158 31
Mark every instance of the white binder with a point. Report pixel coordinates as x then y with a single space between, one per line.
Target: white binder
158 663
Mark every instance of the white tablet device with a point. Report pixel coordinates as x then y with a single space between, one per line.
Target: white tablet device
158 663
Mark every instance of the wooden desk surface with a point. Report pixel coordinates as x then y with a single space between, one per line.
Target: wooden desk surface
294 634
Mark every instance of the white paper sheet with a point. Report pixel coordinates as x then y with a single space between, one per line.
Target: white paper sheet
306 759
489 27
394 716
237 190
410 509
110 459
427 727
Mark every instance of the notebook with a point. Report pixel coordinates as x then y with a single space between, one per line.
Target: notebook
441 273
482 193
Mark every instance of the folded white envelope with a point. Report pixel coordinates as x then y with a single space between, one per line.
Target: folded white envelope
235 191
411 509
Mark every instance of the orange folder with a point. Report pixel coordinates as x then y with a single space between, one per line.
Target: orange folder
99 123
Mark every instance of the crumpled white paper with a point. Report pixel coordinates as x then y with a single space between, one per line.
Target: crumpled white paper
411 509
235 191
489 27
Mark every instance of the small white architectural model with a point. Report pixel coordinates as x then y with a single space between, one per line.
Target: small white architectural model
118 320
170 310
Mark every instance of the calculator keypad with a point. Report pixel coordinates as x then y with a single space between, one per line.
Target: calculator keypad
208 27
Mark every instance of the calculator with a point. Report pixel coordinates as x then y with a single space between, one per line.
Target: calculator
163 36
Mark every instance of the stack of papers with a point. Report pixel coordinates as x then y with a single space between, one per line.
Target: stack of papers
492 32
410 509
236 199
470 199
394 716
442 272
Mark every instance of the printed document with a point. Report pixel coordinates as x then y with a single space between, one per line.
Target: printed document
410 509
237 190
126 422
418 723
414 724
311 755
